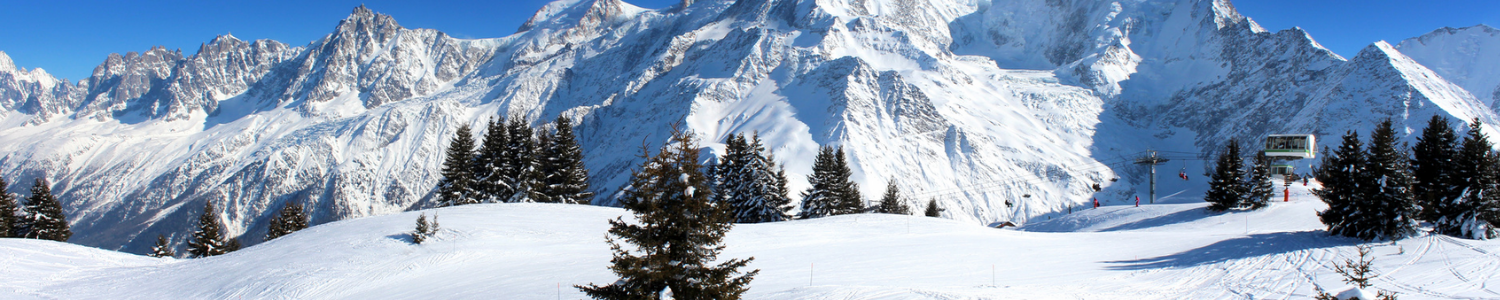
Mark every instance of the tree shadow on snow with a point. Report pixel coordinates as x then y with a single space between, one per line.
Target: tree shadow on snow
1164 220
1245 247
402 237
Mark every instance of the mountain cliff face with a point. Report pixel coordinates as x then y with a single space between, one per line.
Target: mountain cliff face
1465 56
1001 111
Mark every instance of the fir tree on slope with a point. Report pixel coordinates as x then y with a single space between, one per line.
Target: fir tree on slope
561 162
1340 173
1432 167
1258 186
489 163
1226 188
457 185
8 211
1389 209
1470 215
831 193
892 203
290 219
748 179
933 210
209 239
519 170
162 248
676 235
43 217
424 229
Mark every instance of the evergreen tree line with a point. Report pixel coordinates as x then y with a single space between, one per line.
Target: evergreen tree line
1384 190
747 178
514 163
40 218
1234 185
210 239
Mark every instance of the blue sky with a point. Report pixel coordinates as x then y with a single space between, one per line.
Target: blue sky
68 38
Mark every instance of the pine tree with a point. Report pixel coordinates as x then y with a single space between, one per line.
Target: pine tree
489 161
822 199
520 163
1474 176
290 219
424 229
748 179
1340 174
933 210
892 203
1259 187
851 202
162 248
677 234
44 218
566 178
209 239
1226 188
457 186
1388 208
1432 167
8 211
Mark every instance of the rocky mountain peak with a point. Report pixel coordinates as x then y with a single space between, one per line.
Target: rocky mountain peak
6 65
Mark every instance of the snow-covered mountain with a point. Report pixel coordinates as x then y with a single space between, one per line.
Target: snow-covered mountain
1000 111
1465 56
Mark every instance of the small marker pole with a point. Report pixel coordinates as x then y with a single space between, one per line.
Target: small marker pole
992 275
810 272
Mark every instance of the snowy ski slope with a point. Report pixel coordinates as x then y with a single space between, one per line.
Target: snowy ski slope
535 251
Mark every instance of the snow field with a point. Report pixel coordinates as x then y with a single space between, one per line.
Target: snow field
536 251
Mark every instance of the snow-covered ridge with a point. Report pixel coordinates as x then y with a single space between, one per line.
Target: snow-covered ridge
1465 56
999 110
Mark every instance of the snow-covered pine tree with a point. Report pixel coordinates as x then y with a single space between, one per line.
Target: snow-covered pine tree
764 184
749 181
932 209
209 239
567 179
8 210
424 229
290 219
1259 188
851 202
1475 177
726 172
1432 167
1340 174
822 199
1226 188
44 218
488 163
1389 209
676 235
457 185
892 203
520 163
162 248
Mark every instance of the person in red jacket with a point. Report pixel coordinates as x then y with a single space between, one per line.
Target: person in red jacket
1096 202
1137 201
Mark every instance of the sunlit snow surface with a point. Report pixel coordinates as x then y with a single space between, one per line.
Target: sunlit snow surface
536 251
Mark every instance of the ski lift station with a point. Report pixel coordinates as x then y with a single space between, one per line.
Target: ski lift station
1288 147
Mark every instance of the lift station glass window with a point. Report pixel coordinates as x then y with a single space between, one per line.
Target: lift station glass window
1290 145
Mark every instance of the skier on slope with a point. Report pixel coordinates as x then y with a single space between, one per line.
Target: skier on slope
1137 201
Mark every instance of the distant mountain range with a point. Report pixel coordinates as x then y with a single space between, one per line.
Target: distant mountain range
1000 111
